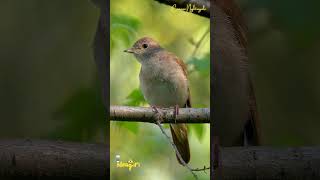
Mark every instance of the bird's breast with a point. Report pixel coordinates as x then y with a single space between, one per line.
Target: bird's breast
163 85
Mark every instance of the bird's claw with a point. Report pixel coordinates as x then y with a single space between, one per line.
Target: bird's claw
158 114
155 109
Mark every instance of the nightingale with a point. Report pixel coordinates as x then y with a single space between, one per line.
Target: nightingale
235 114
164 83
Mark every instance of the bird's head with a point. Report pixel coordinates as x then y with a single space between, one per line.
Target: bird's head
144 48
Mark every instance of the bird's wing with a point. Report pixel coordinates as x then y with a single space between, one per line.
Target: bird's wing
184 69
233 57
182 65
179 131
234 14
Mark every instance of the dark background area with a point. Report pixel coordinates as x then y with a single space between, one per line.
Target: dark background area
48 80
284 51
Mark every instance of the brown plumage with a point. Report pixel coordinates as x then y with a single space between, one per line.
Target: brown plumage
232 10
164 83
231 71
179 132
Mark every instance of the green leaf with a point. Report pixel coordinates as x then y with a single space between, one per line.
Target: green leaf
135 98
198 129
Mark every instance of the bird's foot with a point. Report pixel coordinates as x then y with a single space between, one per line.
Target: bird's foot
158 114
155 109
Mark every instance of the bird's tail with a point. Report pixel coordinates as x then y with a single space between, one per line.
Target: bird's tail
180 139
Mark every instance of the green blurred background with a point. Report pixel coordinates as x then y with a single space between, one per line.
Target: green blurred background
178 32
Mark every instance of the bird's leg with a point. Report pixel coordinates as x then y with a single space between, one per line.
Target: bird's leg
158 113
155 109
176 112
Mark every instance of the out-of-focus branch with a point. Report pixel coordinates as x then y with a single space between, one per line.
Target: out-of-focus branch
146 114
39 159
270 163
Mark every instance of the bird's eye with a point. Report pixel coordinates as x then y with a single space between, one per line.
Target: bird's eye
144 45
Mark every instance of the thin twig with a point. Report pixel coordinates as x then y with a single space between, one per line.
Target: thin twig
201 169
158 122
197 45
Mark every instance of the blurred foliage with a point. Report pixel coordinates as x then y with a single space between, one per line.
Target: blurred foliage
48 75
199 130
123 28
201 65
83 116
135 98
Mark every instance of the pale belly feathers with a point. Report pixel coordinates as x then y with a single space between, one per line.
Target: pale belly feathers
164 87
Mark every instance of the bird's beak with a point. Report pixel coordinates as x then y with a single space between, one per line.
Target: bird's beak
130 50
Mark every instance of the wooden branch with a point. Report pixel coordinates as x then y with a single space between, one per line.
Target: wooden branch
146 114
270 163
45 159
184 4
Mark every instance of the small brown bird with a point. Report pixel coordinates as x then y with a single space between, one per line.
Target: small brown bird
164 83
